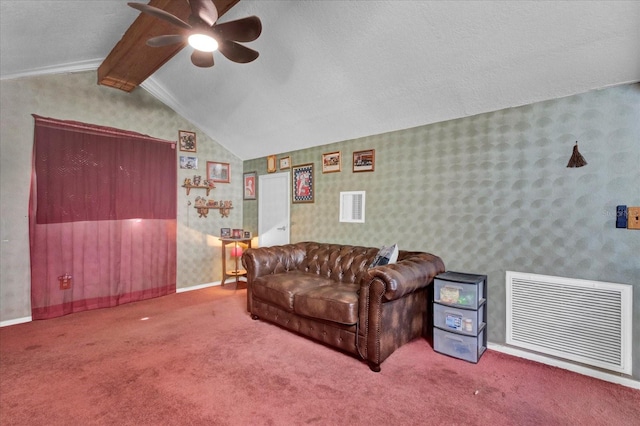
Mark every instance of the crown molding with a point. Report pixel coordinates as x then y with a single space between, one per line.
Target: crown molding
89 65
158 91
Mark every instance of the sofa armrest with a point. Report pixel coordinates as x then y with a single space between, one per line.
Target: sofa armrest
414 271
272 260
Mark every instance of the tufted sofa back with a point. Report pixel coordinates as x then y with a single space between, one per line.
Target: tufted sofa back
337 262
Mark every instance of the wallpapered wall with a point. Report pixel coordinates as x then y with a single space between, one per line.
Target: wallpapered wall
78 97
492 193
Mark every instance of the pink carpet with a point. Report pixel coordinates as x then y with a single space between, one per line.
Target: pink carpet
200 360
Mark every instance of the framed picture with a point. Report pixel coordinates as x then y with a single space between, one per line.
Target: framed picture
285 163
364 161
237 233
303 183
331 162
247 235
188 162
271 164
218 172
250 185
187 141
225 232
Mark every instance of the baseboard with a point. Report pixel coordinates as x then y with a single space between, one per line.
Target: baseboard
607 377
15 321
197 287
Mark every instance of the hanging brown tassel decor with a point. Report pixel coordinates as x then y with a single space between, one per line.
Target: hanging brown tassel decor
576 160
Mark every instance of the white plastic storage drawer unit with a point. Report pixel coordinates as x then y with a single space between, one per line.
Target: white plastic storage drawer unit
460 315
464 321
469 348
458 289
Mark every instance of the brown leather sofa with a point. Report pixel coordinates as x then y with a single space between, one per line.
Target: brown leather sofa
329 293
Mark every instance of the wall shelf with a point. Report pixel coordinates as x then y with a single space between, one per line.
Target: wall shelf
203 211
189 187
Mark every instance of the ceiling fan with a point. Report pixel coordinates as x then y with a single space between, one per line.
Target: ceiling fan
204 35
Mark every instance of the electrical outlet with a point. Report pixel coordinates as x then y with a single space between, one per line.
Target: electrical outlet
633 221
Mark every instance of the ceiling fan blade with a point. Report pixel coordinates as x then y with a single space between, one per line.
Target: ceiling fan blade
244 30
236 52
205 10
159 13
165 40
202 59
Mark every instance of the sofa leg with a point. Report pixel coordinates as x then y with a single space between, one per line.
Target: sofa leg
254 317
374 367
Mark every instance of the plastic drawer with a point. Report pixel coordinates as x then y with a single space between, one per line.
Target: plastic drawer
464 290
461 320
468 348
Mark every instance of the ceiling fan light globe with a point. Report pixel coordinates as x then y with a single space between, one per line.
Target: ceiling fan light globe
203 42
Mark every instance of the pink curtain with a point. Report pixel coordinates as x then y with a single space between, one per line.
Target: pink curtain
102 217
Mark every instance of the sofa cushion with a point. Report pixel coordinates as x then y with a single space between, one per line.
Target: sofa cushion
279 289
337 302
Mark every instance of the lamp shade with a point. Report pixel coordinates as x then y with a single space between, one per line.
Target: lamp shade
236 251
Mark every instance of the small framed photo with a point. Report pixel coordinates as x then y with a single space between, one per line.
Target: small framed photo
303 183
188 162
271 164
187 141
225 232
218 172
247 235
331 162
237 233
250 185
364 161
285 163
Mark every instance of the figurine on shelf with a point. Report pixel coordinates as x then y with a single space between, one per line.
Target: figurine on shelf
197 180
201 201
187 182
210 183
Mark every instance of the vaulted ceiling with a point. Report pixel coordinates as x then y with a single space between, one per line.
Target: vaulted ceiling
330 71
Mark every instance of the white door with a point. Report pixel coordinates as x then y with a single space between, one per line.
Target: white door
273 209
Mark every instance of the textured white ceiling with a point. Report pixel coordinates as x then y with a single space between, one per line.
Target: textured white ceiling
330 71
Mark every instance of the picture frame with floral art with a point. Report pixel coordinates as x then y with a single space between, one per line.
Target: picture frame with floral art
225 232
250 179
187 141
218 172
331 162
303 183
364 161
285 163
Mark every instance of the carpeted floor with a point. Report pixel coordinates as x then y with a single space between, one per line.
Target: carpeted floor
196 358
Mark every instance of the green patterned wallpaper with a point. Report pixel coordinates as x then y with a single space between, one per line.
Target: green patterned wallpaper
78 97
492 193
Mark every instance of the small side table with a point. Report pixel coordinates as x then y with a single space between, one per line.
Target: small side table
237 243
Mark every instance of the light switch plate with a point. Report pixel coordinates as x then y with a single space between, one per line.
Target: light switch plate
633 221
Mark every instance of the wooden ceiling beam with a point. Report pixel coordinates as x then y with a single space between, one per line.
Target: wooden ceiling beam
131 61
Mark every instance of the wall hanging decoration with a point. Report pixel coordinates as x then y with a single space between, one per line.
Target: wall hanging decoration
303 184
188 162
271 164
218 172
249 179
576 160
285 163
331 162
364 161
187 141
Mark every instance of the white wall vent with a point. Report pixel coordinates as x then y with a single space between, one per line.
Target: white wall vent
352 206
578 320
